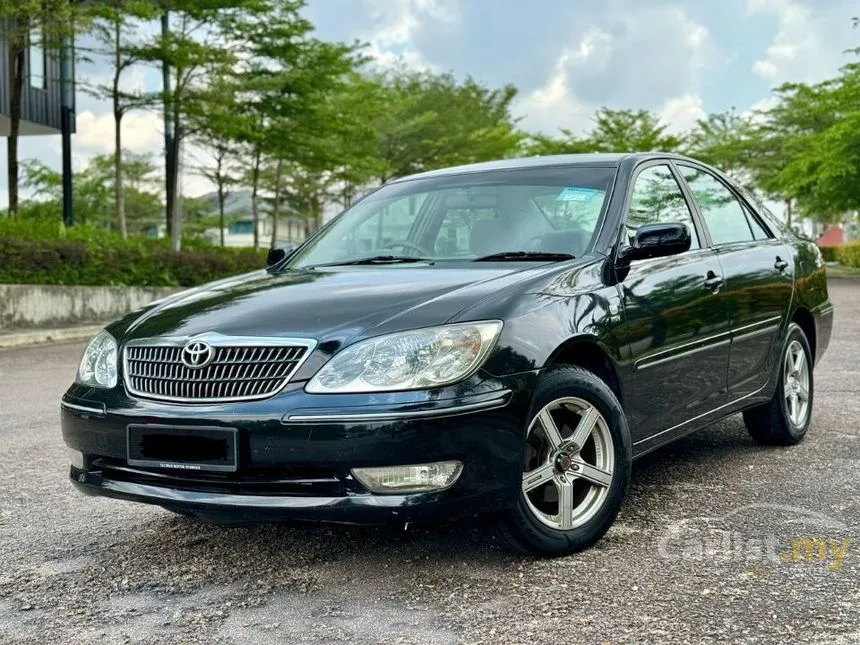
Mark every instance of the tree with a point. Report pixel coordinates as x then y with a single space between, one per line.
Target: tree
285 81
199 37
822 123
567 144
631 131
428 120
114 27
23 24
94 193
218 133
725 140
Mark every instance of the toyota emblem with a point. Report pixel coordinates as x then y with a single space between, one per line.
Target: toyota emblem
197 354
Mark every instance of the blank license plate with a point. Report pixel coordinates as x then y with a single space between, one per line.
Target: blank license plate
182 448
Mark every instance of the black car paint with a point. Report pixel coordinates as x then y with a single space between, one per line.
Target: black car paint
684 340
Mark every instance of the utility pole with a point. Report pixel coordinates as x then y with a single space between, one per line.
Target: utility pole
67 107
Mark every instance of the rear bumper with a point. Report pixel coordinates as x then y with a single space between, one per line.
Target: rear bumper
295 462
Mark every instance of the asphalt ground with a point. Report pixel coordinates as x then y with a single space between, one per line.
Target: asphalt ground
720 540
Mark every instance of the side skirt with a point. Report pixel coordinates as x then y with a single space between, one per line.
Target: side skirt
644 446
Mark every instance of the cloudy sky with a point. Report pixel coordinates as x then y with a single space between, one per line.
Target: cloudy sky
679 58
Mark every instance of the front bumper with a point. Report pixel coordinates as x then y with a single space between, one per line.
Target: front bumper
296 452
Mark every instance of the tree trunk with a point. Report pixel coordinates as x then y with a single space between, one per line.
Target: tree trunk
255 207
17 55
117 118
222 197
276 207
788 212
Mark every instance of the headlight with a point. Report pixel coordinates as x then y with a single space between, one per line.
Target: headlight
412 360
98 366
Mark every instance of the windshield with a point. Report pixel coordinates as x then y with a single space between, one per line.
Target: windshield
467 217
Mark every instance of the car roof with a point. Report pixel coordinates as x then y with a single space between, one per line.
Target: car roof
602 159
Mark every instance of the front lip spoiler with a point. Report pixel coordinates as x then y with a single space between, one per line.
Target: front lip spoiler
498 400
370 509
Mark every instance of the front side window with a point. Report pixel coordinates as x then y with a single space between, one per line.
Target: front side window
724 216
657 199
469 216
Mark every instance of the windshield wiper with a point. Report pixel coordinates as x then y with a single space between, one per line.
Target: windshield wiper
525 256
375 259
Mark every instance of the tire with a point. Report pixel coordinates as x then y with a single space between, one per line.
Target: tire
570 466
773 423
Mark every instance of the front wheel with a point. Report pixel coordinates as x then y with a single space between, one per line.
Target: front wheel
784 420
576 466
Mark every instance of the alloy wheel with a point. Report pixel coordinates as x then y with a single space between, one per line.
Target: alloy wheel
796 383
569 463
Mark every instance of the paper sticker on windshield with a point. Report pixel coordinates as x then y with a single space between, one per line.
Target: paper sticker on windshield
576 195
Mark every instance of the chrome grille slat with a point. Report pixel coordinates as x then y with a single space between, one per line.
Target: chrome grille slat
249 369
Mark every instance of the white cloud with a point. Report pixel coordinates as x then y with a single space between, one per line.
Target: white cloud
397 23
607 66
141 132
803 48
681 113
554 106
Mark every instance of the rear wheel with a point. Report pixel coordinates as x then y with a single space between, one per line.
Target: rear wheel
784 420
576 466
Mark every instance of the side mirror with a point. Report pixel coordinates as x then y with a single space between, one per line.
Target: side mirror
658 240
278 254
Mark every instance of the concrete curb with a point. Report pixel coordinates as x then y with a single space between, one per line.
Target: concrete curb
36 336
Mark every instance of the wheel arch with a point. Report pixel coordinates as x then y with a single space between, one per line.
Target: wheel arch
804 318
590 354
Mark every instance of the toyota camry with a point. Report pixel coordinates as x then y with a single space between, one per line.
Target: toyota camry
503 338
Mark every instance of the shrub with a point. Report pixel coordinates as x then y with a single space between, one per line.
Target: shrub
829 253
36 251
849 254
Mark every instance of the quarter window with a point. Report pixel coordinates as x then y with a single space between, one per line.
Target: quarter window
724 216
657 199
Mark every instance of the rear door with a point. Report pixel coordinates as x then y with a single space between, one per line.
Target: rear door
758 270
675 322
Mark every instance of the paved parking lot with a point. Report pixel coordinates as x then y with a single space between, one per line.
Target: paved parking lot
720 540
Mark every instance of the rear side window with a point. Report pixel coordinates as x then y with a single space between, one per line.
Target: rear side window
724 216
657 199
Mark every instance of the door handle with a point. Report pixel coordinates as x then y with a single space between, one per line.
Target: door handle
713 281
780 264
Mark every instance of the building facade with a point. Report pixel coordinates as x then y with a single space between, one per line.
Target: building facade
42 97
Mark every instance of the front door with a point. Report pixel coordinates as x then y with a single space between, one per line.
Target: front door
758 270
675 320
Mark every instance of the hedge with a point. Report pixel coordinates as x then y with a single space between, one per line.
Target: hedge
38 253
829 253
849 254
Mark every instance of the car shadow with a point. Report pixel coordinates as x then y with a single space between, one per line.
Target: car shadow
227 553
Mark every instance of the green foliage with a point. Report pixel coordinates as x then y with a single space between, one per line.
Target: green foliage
830 253
94 196
849 254
38 251
613 131
426 121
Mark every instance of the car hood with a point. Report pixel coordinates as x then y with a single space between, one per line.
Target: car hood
333 304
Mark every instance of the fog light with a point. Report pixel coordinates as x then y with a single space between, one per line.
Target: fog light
409 479
76 458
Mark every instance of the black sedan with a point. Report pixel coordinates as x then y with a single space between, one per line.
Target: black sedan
504 337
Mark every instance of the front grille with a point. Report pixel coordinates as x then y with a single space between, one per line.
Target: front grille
235 372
